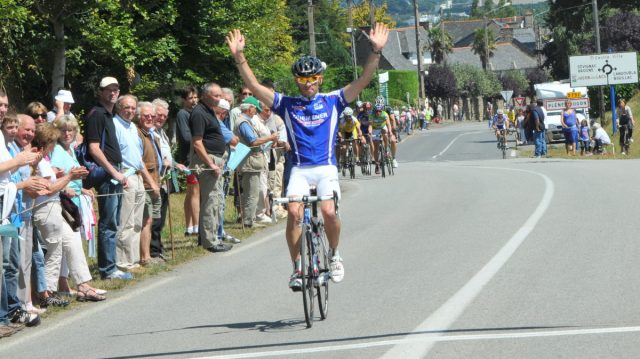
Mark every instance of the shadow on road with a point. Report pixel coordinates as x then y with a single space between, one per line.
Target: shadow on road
263 326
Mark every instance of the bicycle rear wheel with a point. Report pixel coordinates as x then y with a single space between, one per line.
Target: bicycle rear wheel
306 261
389 161
322 250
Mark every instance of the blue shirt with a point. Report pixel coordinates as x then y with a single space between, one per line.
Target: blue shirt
66 161
226 132
247 133
16 177
312 126
130 143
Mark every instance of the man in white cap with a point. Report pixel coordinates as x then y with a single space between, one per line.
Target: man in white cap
63 102
222 114
100 134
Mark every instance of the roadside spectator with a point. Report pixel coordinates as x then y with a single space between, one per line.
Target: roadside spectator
151 157
209 152
133 197
625 123
255 162
183 138
230 139
569 128
488 109
585 141
600 138
100 134
37 111
162 114
62 105
539 129
32 264
60 240
14 252
275 124
520 123
455 110
233 116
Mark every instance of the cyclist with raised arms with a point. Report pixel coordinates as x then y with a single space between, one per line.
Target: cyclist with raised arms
380 125
349 129
312 124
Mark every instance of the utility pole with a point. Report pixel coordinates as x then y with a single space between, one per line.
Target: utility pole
352 33
418 49
486 44
312 32
596 23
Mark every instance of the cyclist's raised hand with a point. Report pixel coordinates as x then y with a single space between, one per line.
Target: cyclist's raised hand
235 41
378 36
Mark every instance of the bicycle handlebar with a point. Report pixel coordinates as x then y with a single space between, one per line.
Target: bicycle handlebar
304 199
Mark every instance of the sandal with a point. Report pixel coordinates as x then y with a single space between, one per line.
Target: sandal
89 295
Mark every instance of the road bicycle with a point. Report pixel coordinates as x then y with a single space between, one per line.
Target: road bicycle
314 253
350 160
365 159
626 138
502 142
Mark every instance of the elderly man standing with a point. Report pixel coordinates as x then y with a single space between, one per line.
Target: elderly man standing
209 153
275 124
230 139
256 162
151 157
162 114
100 134
128 244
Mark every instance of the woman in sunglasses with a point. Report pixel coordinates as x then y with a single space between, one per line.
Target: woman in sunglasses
312 126
38 111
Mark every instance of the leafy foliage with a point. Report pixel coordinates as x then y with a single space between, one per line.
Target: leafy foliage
440 82
515 81
484 42
441 44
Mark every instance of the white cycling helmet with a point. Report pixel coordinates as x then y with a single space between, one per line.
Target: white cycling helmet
347 111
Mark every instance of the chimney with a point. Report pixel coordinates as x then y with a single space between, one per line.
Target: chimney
528 19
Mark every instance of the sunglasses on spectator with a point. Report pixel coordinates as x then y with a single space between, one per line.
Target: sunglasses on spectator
36 115
247 94
308 79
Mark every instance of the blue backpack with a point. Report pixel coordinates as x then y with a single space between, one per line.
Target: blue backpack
97 175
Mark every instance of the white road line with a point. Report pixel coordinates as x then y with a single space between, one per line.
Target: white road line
452 142
431 339
453 308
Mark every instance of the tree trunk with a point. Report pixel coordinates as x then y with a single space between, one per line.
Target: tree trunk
59 58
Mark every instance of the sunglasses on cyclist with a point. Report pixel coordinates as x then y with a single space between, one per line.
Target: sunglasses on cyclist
36 115
308 79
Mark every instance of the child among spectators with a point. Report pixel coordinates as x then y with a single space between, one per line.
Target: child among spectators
585 141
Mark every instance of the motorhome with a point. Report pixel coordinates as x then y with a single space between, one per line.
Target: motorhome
554 95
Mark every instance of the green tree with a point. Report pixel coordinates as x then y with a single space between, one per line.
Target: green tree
361 15
441 44
483 44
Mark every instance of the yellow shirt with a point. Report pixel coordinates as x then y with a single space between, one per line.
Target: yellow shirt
349 127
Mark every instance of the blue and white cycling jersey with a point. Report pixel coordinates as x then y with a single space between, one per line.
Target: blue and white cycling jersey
312 126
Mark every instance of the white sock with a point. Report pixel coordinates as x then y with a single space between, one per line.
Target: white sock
195 230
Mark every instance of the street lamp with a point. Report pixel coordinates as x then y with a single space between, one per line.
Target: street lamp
486 34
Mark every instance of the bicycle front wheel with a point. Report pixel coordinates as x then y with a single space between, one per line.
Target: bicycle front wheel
322 250
306 261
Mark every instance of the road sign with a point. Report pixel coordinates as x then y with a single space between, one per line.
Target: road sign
574 94
604 69
559 103
520 101
506 95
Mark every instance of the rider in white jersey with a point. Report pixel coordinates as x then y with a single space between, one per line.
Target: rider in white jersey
312 125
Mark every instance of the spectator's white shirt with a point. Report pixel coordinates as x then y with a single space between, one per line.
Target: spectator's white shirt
602 135
5 177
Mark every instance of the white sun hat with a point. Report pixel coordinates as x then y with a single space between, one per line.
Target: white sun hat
64 96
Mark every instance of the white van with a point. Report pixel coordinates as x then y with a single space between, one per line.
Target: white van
555 94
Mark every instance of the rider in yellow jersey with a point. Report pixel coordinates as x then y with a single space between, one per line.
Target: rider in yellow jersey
349 128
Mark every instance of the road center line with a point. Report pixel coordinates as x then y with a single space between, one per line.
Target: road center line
452 142
453 308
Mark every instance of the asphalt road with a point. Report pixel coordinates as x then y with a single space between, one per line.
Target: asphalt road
459 255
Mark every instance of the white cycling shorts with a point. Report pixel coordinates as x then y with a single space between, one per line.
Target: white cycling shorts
324 177
377 133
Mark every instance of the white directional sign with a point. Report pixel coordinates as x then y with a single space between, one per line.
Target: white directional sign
604 69
559 104
506 95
